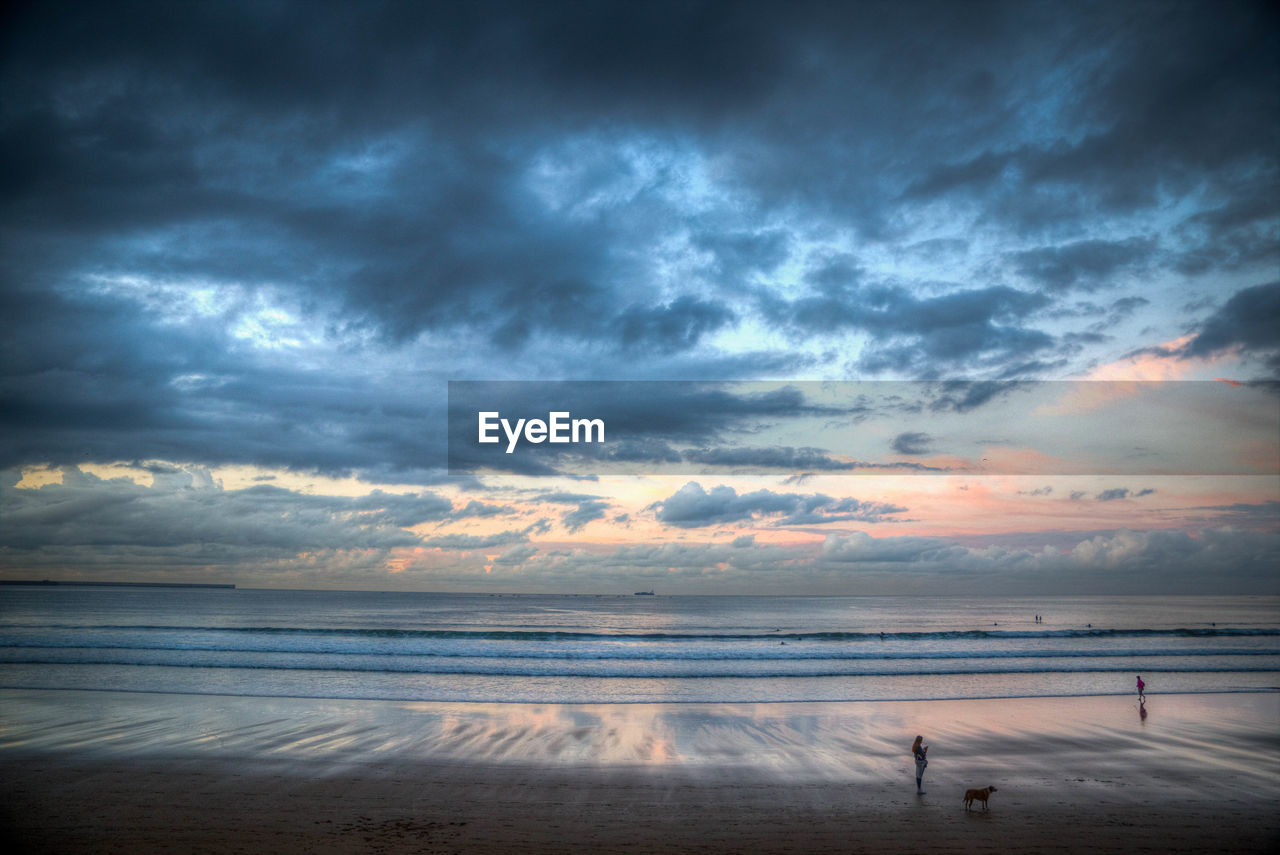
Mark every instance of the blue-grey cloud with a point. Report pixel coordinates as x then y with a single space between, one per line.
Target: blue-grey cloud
267 234
564 498
1086 265
916 335
693 507
676 326
586 512
963 396
788 458
1249 320
589 507
740 254
1122 493
188 513
1265 514
912 443
474 541
476 508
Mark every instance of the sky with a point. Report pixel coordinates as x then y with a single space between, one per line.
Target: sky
878 298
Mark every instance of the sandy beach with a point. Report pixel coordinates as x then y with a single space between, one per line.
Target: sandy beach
119 772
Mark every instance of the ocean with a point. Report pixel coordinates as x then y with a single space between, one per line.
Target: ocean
629 649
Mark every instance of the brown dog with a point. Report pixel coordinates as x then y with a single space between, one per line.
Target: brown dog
970 796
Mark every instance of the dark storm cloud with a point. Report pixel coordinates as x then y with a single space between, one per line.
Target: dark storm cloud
381 150
186 509
1250 320
740 254
919 335
1237 234
361 150
568 189
674 327
87 379
1157 119
1086 265
693 507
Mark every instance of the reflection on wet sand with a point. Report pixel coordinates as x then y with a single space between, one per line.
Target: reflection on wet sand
1039 739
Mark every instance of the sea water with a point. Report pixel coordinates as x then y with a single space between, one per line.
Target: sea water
629 649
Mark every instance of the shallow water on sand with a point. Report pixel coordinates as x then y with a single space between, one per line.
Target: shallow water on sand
1099 739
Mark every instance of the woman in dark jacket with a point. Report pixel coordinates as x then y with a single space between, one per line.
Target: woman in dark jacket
919 749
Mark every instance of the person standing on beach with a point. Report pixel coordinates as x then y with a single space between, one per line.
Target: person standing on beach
919 750
1141 688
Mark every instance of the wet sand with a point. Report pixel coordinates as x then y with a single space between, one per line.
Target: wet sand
108 772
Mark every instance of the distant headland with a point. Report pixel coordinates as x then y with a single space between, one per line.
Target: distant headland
50 582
